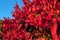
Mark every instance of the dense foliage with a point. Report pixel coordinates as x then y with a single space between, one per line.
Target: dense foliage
37 20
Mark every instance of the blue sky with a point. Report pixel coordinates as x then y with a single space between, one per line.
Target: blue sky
7 6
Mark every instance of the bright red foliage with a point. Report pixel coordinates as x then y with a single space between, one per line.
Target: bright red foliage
40 14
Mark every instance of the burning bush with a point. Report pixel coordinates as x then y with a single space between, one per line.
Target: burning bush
37 20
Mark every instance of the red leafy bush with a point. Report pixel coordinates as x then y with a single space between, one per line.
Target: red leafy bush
37 20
